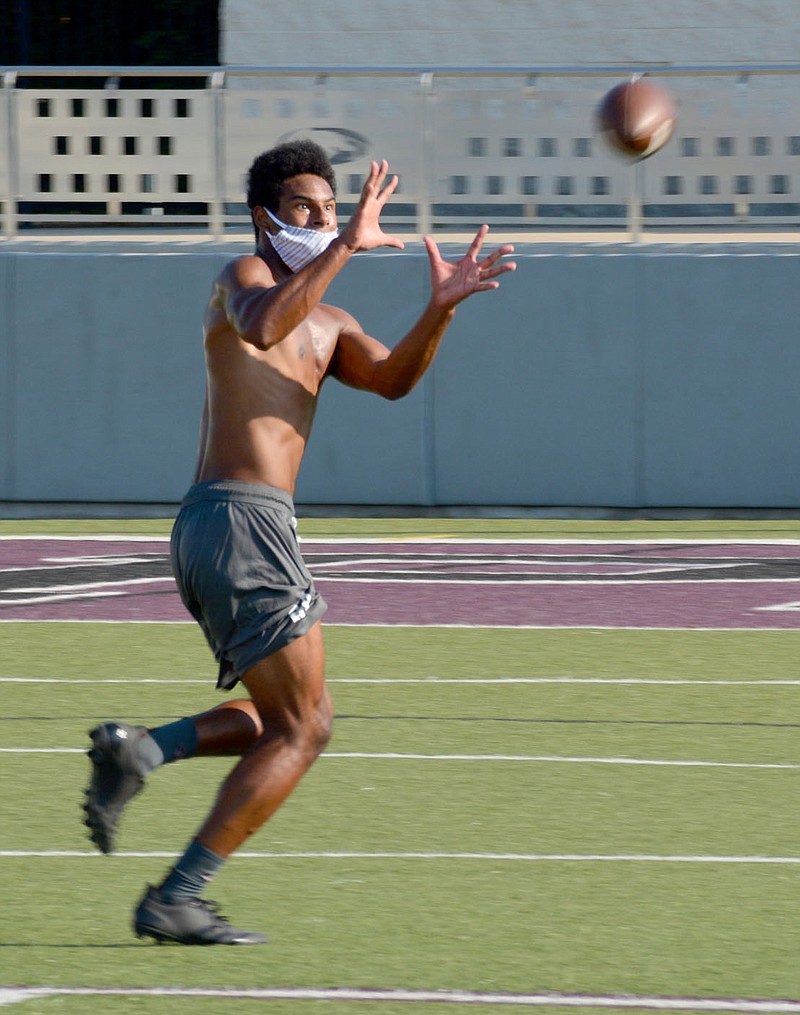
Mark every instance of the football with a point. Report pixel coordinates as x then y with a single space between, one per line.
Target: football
637 117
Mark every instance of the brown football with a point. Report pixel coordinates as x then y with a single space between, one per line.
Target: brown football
637 117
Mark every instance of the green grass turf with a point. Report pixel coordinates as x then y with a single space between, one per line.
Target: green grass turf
593 927
472 528
125 1005
225 1006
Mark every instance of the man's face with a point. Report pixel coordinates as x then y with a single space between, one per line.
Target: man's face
307 201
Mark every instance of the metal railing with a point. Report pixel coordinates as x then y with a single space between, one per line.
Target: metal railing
514 146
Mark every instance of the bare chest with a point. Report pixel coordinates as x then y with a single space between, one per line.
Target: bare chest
312 344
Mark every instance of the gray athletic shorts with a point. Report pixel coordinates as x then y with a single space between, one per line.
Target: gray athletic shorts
240 574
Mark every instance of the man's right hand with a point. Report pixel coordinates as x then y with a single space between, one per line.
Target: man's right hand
363 231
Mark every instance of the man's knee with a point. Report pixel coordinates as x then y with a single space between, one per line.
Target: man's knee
322 725
288 690
307 729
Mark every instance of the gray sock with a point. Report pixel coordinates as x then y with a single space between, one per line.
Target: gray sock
191 873
173 742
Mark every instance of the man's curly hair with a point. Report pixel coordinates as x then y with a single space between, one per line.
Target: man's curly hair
270 169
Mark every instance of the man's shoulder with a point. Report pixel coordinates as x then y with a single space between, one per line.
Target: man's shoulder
336 313
247 261
247 269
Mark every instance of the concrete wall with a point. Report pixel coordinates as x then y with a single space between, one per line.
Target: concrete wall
449 33
103 374
597 376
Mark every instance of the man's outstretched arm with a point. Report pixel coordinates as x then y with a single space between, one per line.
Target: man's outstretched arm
363 362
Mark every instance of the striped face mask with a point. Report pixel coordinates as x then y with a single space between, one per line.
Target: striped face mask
296 246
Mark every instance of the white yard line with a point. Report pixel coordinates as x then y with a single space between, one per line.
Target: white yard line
12 995
701 858
548 759
448 539
445 627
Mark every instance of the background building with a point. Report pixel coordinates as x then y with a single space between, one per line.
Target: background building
631 375
506 33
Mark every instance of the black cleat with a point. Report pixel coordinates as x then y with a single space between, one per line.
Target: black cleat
188 922
116 779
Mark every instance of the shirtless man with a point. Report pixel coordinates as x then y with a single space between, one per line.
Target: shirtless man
269 344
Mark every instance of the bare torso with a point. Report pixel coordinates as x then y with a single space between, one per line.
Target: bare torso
270 341
260 403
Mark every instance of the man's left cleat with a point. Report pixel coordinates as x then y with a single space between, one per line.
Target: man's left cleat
116 779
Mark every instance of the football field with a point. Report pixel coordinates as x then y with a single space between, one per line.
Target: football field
564 774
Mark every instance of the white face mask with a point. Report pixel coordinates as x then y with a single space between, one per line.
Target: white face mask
296 246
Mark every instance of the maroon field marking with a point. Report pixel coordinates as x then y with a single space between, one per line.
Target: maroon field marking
692 584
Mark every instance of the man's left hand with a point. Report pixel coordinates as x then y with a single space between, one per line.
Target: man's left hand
453 281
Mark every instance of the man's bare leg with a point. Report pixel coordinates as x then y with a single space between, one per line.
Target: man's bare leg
291 700
122 755
293 708
228 729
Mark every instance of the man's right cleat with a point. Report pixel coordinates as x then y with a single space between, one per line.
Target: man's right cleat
116 779
188 922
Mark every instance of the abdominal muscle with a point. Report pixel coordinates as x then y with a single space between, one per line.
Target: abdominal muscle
266 452
259 408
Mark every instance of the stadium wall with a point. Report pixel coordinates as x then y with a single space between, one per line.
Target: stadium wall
599 375
508 33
